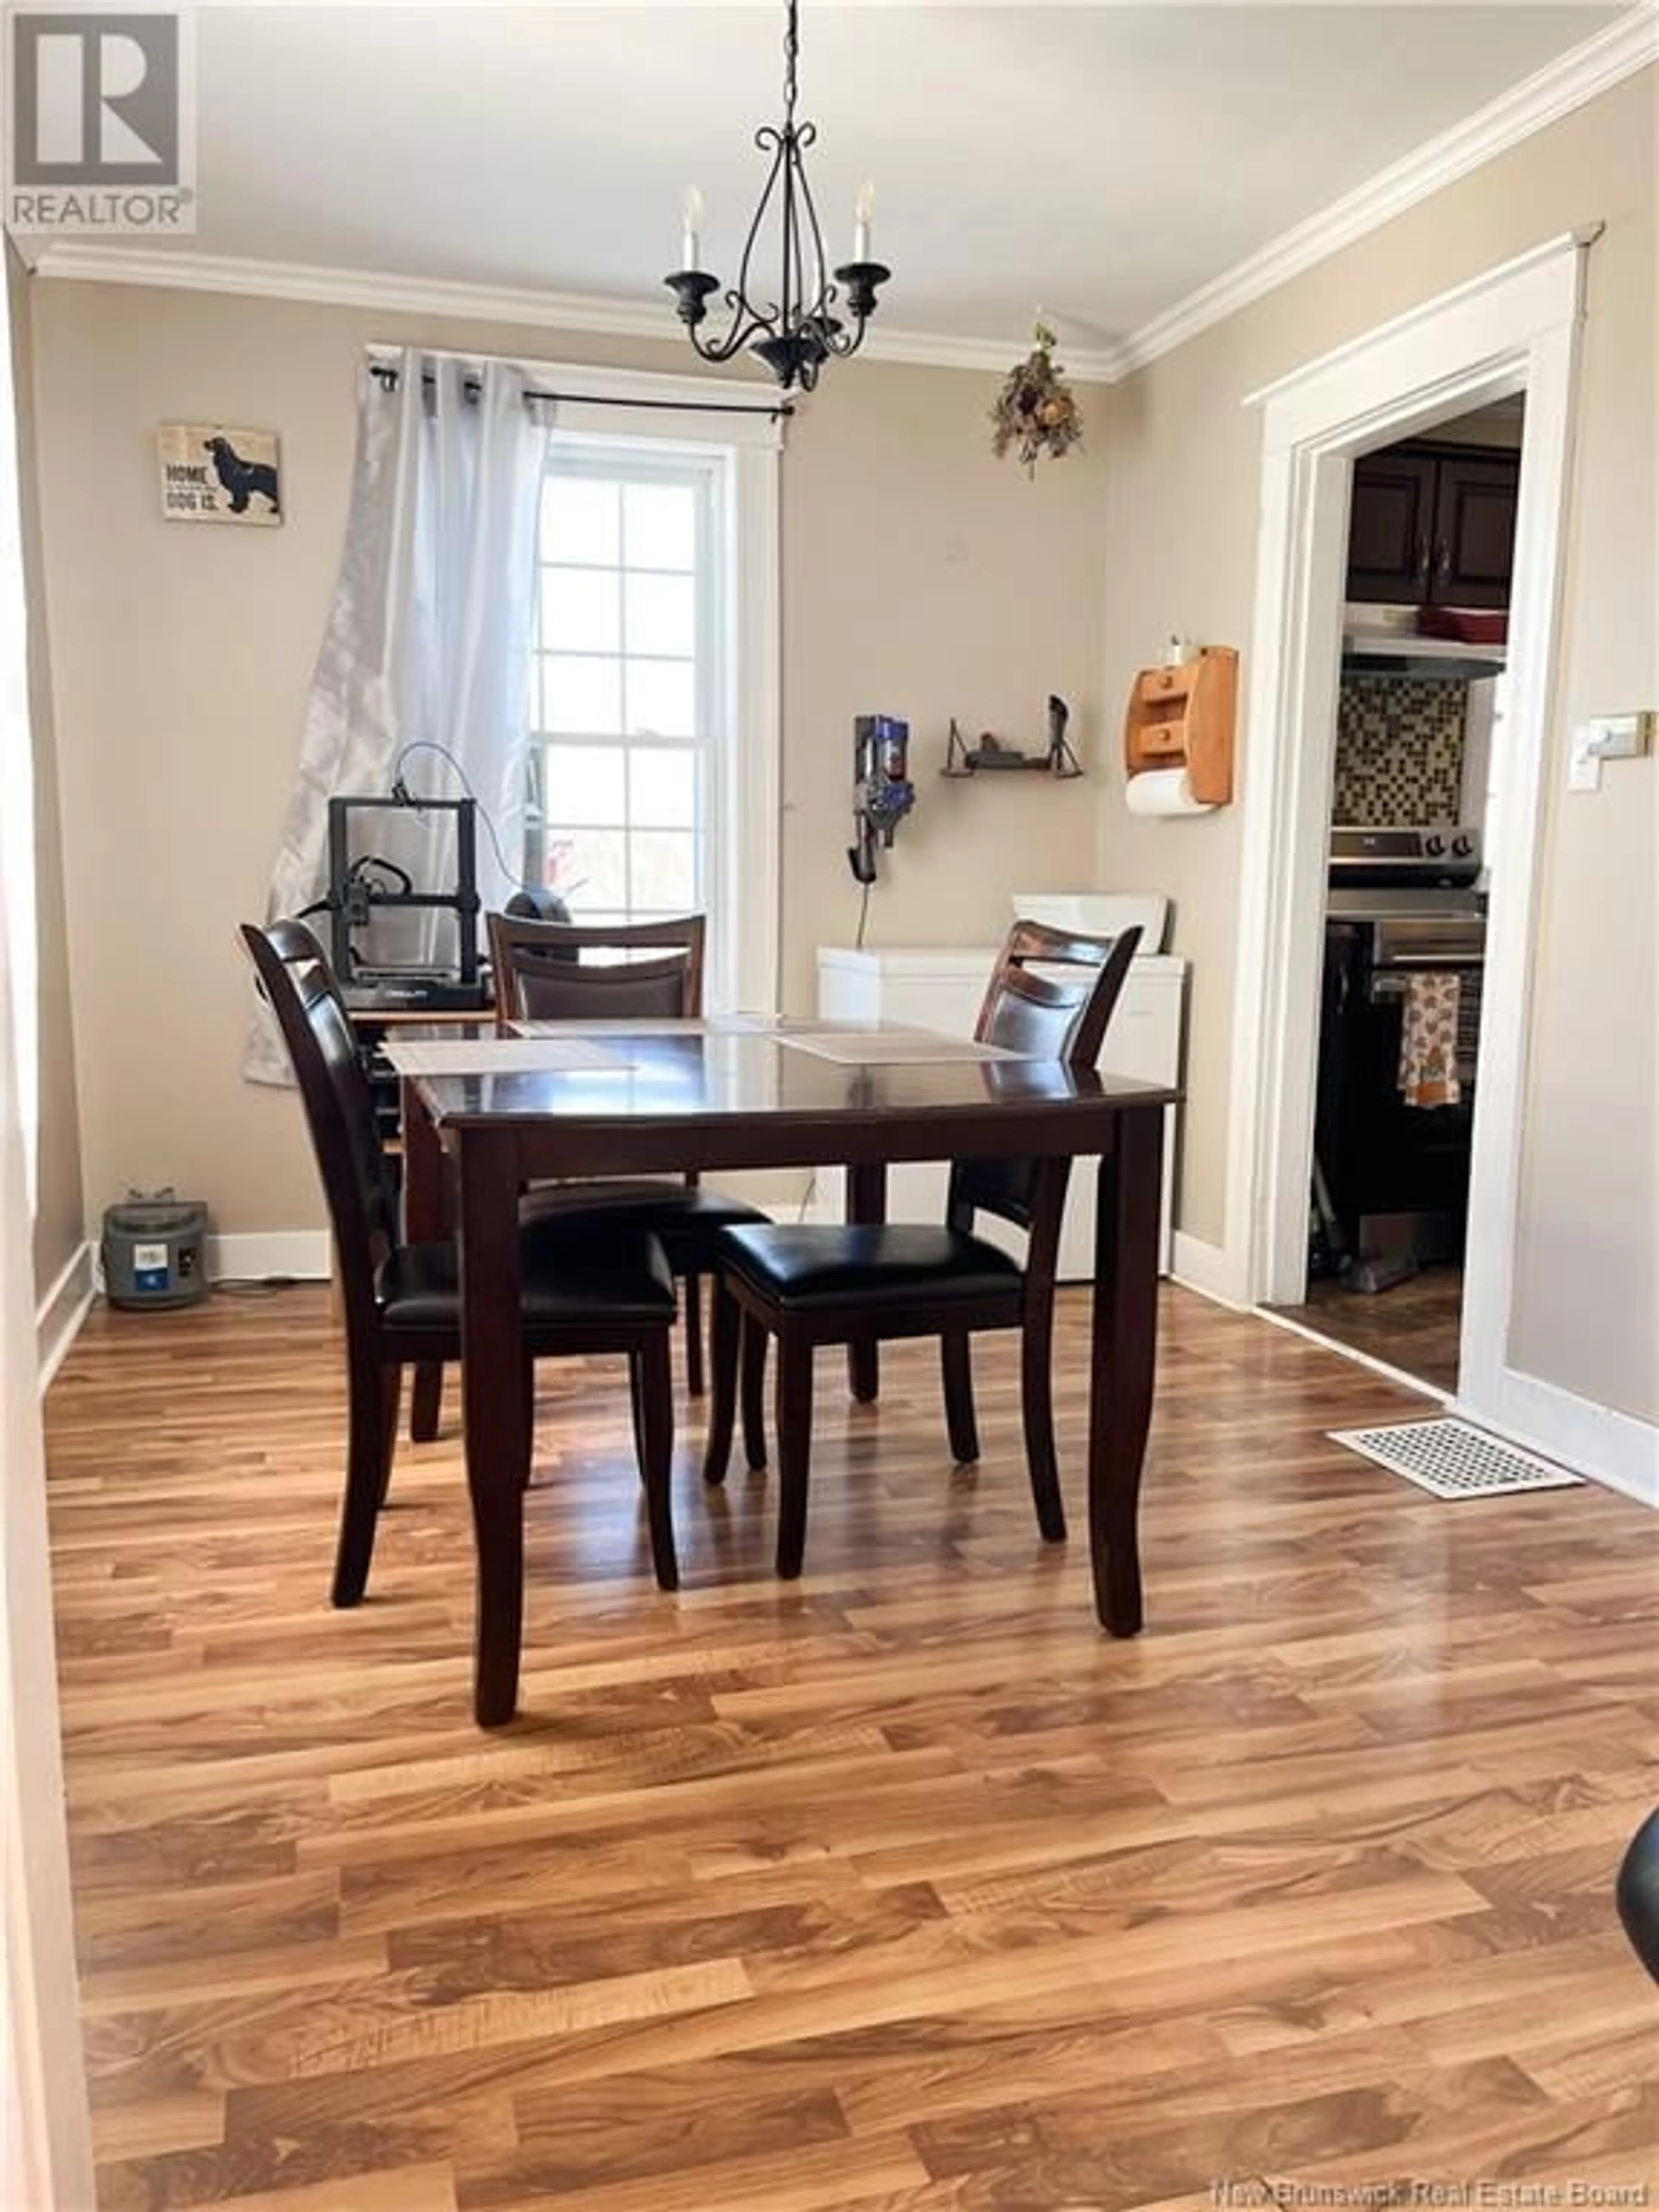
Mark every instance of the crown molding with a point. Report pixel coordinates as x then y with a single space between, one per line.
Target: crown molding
72 260
1595 66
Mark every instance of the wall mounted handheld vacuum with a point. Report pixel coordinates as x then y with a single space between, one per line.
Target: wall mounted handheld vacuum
883 793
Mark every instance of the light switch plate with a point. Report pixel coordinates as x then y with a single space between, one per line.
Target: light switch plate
1605 738
1619 737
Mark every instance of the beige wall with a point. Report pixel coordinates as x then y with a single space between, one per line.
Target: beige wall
59 1223
1182 496
921 577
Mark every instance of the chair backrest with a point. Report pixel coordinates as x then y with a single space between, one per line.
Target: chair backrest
1051 996
339 1107
543 971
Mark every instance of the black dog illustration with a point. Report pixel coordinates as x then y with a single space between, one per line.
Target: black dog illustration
240 478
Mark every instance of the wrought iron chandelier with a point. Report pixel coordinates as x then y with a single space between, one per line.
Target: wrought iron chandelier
803 327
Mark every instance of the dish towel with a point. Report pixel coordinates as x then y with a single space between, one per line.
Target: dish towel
1428 1038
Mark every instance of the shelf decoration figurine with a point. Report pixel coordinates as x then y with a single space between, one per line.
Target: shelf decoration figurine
1036 412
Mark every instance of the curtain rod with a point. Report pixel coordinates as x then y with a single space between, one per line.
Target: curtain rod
387 375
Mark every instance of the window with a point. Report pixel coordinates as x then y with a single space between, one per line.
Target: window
634 760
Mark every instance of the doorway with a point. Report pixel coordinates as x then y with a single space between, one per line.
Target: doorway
1509 334
1419 748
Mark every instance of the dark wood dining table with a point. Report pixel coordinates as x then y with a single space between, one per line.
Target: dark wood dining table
719 1096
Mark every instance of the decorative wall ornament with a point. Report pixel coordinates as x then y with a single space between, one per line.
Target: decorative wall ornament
211 473
1037 411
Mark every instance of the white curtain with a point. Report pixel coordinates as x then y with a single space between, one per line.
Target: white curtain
427 643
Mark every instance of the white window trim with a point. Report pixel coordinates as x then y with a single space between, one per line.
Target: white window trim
751 790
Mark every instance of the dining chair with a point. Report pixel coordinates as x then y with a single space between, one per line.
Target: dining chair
621 971
1050 997
583 1295
1637 1892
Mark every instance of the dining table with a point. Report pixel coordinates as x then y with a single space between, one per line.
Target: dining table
571 1102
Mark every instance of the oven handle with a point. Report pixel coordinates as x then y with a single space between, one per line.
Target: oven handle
1429 960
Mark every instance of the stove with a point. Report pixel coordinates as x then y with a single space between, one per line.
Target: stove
1441 856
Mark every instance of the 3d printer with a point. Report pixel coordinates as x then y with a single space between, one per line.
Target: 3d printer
883 793
393 945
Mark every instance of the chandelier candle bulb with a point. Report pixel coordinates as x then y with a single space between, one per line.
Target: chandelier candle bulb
691 229
864 208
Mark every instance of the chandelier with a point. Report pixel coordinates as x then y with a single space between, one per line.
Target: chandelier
796 332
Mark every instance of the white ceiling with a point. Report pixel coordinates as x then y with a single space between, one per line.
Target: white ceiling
1102 160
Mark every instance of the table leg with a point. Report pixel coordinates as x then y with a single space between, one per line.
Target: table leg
424 1223
866 1201
494 1410
1124 1345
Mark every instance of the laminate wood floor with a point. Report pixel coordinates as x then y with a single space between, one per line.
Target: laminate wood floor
902 1889
1415 1327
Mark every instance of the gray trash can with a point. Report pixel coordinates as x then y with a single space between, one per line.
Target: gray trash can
155 1250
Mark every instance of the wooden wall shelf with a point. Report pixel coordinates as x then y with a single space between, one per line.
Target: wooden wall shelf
994 760
1026 765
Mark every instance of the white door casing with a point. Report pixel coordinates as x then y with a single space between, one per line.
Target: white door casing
1514 330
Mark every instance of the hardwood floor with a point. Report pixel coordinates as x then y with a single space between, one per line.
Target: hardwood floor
897 1889
1415 1327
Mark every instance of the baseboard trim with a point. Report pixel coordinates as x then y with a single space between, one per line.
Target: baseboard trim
249 1256
1207 1269
1597 1441
60 1313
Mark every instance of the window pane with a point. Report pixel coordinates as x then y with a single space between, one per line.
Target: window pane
662 614
582 695
662 699
660 522
584 785
580 611
579 520
662 788
588 869
665 870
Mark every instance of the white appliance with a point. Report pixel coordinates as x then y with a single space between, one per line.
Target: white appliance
941 989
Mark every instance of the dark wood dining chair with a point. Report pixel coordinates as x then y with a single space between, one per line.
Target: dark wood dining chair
583 1295
811 1284
621 971
1637 1892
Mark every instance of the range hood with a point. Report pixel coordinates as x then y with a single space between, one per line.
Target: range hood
1396 652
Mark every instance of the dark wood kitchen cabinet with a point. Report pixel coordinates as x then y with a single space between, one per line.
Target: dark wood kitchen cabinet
1434 525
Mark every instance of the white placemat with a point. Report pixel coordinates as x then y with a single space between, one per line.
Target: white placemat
891 1047
539 1056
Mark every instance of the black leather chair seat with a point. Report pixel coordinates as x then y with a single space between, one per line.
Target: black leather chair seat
683 1216
1638 1893
811 1264
623 1275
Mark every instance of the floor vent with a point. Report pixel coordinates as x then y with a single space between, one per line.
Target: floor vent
1451 1460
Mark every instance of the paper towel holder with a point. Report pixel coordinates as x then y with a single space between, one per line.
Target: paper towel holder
1186 717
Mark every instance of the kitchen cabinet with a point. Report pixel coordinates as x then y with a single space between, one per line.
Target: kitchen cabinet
1434 525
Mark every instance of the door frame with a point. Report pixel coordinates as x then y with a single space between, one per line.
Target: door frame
1514 330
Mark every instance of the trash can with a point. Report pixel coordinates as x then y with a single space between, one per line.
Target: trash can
155 1250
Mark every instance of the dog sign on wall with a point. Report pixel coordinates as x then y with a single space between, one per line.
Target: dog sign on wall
213 474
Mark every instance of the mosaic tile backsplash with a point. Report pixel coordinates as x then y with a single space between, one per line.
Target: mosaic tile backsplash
1399 749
